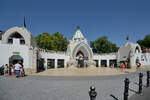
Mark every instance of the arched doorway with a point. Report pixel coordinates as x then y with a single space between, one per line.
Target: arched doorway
80 59
137 50
79 53
137 61
15 58
84 49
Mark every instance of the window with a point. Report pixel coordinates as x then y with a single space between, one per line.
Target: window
60 63
10 41
16 35
96 63
50 63
22 41
104 63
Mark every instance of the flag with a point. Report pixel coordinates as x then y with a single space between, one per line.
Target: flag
24 22
127 38
78 27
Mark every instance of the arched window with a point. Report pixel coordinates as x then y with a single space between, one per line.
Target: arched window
16 35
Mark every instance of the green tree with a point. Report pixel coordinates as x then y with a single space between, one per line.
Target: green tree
55 42
44 41
145 43
103 45
60 42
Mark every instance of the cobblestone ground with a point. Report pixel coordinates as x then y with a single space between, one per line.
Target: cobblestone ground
143 96
66 88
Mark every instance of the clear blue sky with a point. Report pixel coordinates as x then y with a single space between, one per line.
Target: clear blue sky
111 18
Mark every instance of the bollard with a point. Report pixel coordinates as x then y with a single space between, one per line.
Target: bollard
92 93
140 82
126 88
148 77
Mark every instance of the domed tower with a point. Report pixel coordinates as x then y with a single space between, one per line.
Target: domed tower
78 46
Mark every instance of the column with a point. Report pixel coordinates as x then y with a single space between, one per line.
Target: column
45 63
107 62
55 63
65 63
99 63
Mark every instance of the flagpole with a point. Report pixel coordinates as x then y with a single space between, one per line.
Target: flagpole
24 22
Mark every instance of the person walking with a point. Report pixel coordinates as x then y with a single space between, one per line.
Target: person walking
6 70
122 66
17 69
12 69
22 72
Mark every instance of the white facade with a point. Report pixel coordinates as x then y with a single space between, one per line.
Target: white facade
18 42
16 45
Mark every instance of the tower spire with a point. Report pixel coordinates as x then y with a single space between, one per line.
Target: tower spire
78 27
78 34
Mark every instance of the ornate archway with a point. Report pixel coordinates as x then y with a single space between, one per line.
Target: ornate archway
84 48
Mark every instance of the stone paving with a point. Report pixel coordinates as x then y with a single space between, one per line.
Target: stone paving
143 96
97 71
66 87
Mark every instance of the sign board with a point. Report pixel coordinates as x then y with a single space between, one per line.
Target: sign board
16 53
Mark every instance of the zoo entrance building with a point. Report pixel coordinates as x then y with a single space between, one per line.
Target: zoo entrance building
17 44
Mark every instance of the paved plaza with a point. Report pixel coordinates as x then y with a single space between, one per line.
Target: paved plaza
143 96
67 88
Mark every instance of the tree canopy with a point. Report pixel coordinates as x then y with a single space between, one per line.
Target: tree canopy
103 45
56 41
145 43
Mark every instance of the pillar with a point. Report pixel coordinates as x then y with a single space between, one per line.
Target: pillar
65 63
99 63
45 63
107 62
55 63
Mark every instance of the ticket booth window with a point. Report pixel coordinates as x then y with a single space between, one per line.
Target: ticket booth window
104 63
60 63
96 63
50 63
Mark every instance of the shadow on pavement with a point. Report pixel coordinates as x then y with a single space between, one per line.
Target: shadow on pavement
115 98
133 91
138 84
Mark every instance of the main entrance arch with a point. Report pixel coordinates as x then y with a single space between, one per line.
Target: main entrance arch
83 49
14 59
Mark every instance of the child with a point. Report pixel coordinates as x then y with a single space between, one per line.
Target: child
22 71
12 69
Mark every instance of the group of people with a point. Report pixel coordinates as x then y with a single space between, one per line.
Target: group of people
81 60
15 70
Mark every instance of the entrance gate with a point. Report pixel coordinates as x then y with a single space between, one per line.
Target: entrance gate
15 58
